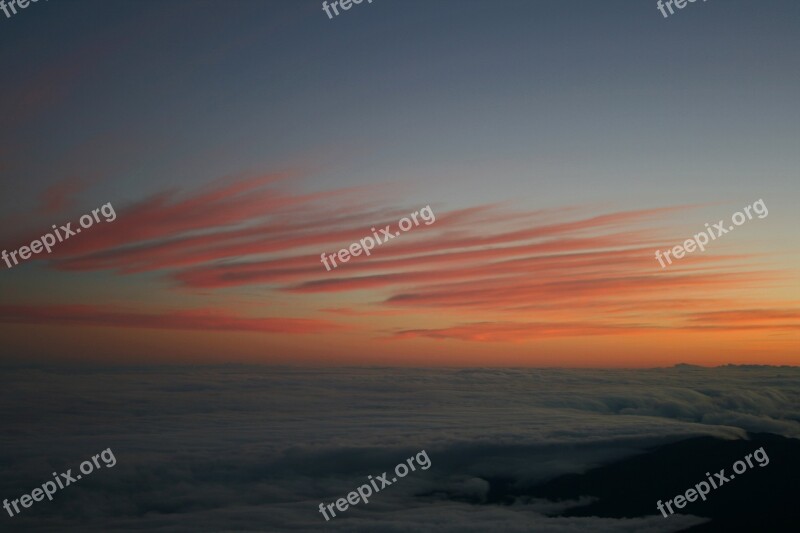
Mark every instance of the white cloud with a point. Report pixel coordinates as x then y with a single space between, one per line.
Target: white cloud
255 448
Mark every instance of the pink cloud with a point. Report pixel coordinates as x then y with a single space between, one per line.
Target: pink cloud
61 196
188 319
555 272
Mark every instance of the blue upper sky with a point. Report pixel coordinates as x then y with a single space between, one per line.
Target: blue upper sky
548 102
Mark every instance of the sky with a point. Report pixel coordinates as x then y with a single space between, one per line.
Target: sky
558 144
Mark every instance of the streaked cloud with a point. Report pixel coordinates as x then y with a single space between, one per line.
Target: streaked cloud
489 272
184 319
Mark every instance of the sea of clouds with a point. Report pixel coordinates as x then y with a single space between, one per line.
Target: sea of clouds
249 448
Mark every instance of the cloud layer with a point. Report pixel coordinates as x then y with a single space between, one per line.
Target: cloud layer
258 448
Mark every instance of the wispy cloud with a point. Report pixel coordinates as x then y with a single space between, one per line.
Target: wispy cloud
526 274
60 196
184 319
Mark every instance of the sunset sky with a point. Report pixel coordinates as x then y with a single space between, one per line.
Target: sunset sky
559 148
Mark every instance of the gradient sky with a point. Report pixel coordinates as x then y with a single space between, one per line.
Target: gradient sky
559 143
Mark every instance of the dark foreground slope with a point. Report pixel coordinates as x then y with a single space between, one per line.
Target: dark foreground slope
760 499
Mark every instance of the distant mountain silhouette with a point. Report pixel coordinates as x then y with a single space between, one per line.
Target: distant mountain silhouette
760 499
